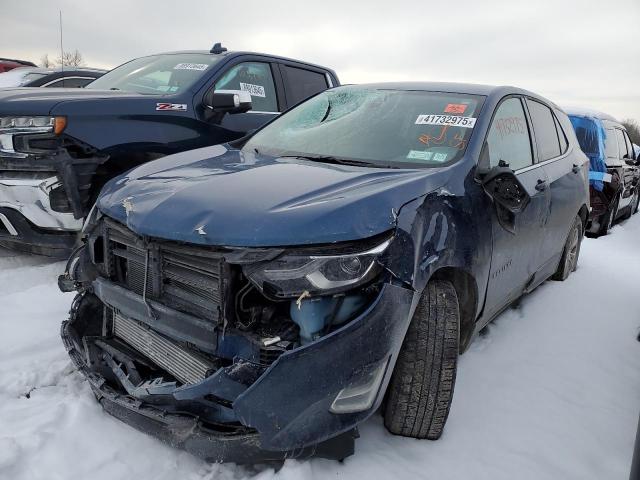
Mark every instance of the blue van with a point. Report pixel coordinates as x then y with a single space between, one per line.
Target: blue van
258 300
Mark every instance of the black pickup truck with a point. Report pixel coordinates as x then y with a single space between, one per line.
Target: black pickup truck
58 147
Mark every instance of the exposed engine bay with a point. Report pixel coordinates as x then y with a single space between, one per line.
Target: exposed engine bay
156 319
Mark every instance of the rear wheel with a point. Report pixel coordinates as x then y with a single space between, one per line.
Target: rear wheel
421 388
635 202
608 218
571 252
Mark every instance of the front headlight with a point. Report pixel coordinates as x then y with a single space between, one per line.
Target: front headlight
11 126
292 274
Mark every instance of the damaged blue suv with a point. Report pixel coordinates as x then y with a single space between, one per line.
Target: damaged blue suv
257 300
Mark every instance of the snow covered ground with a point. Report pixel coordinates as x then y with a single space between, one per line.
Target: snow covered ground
551 392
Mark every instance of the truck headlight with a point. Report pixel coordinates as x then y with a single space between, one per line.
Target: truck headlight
292 274
12 126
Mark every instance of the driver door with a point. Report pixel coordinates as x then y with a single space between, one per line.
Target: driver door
256 78
517 237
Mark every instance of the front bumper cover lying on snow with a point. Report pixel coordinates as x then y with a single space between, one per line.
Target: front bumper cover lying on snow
286 411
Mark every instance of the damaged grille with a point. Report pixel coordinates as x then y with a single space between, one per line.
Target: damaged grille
188 279
186 366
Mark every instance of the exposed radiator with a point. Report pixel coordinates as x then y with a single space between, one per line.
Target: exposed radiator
187 367
186 278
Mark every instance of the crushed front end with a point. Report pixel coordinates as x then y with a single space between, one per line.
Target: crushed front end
245 355
45 184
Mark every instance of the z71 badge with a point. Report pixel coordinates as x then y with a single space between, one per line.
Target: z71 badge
176 107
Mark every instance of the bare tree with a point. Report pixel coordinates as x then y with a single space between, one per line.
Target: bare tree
633 129
46 62
71 59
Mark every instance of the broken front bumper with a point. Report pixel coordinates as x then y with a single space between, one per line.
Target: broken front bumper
286 411
27 219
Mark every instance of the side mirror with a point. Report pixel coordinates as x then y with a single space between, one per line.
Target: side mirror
506 190
228 101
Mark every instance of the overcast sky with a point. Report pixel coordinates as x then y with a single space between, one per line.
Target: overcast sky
574 52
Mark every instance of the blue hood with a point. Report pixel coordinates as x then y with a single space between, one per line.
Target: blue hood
215 196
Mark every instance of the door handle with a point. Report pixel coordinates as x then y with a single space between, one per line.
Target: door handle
575 168
541 185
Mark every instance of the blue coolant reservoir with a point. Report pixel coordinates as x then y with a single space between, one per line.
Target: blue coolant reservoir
314 315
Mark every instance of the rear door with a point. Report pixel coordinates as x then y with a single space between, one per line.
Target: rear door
565 183
625 152
517 238
301 82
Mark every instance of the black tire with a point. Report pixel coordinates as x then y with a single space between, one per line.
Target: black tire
571 251
608 218
421 388
635 202
53 253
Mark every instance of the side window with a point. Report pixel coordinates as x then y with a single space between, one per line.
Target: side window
544 126
71 82
611 144
508 139
562 137
255 78
622 146
629 145
303 83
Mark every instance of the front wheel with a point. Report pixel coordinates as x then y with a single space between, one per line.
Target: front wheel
571 251
635 202
421 388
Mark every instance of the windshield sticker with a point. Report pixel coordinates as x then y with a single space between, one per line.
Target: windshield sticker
254 90
455 108
419 155
453 120
440 157
174 107
191 66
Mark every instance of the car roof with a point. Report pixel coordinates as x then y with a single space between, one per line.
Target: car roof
21 62
587 112
494 91
26 70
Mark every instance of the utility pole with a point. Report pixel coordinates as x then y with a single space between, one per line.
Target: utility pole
61 49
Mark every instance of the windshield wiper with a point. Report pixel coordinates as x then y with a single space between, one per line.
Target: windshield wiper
114 88
331 159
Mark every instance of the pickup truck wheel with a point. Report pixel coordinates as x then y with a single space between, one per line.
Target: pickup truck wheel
421 388
571 251
54 253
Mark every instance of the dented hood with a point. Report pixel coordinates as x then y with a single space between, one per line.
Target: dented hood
216 196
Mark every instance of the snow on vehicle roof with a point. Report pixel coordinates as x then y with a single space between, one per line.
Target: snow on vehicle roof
587 112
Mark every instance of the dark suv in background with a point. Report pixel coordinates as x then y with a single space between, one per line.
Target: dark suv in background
614 171
258 300
60 146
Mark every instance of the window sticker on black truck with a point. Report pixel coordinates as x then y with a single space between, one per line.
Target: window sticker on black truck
175 107
254 90
191 66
